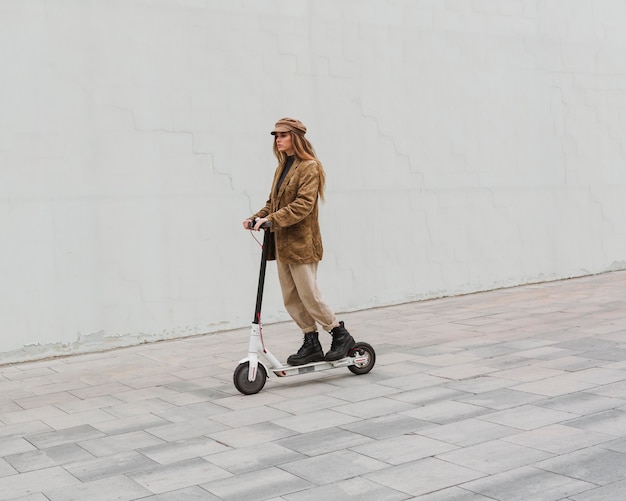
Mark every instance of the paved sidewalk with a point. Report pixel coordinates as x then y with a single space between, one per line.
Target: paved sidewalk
515 394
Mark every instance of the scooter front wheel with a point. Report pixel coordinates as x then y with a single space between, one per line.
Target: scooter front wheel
365 358
240 379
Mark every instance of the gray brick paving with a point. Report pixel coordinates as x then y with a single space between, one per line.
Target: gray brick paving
514 394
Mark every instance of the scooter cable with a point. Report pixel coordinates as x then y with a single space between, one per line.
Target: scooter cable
256 239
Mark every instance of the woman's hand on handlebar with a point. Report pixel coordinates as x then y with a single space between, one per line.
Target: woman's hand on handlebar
256 225
260 221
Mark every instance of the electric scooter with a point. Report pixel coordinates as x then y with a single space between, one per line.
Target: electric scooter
251 373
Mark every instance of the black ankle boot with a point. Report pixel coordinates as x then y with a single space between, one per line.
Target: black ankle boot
342 342
310 351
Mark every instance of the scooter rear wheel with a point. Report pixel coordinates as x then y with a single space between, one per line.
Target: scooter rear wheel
366 355
240 379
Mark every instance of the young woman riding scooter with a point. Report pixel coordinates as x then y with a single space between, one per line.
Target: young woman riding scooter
292 213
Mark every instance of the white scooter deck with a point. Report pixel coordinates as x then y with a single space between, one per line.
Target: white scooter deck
294 370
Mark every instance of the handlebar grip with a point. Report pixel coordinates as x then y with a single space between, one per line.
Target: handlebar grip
264 226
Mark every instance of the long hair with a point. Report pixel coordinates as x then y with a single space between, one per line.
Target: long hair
303 150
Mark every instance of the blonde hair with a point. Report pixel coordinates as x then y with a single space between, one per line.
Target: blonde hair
303 150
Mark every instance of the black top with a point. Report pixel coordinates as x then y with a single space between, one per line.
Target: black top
283 174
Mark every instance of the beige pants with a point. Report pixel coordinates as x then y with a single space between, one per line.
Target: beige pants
302 298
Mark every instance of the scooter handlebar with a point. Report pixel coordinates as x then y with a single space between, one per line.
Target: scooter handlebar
266 225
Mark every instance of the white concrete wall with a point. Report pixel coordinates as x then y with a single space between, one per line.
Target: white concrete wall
469 145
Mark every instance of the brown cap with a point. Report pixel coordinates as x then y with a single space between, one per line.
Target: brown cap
289 125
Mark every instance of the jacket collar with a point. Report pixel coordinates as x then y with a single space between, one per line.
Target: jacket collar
291 172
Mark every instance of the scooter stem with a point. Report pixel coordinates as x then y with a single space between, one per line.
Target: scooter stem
259 292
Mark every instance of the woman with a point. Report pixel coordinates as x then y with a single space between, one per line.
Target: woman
291 210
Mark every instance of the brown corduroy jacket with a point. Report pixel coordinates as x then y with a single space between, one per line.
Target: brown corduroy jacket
293 213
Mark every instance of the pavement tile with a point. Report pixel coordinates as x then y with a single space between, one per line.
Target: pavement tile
6 469
323 441
581 403
36 413
452 494
15 445
394 355
100 390
570 363
186 429
262 484
414 381
527 484
374 407
249 416
527 417
558 439
365 391
148 393
557 385
109 445
77 419
479 384
7 406
295 389
609 492
188 494
307 404
333 466
181 450
256 457
618 445
506 362
611 422
240 402
20 372
616 364
64 436
109 466
355 488
463 371
120 488
142 407
390 425
46 458
446 412
600 375
251 435
424 396
503 398
595 465
46 399
423 476
189 412
88 404
496 351
56 386
615 354
317 420
432 348
615 390
31 497
121 426
494 457
403 449
24 484
587 344
178 475
202 394
468 432
528 373
449 359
